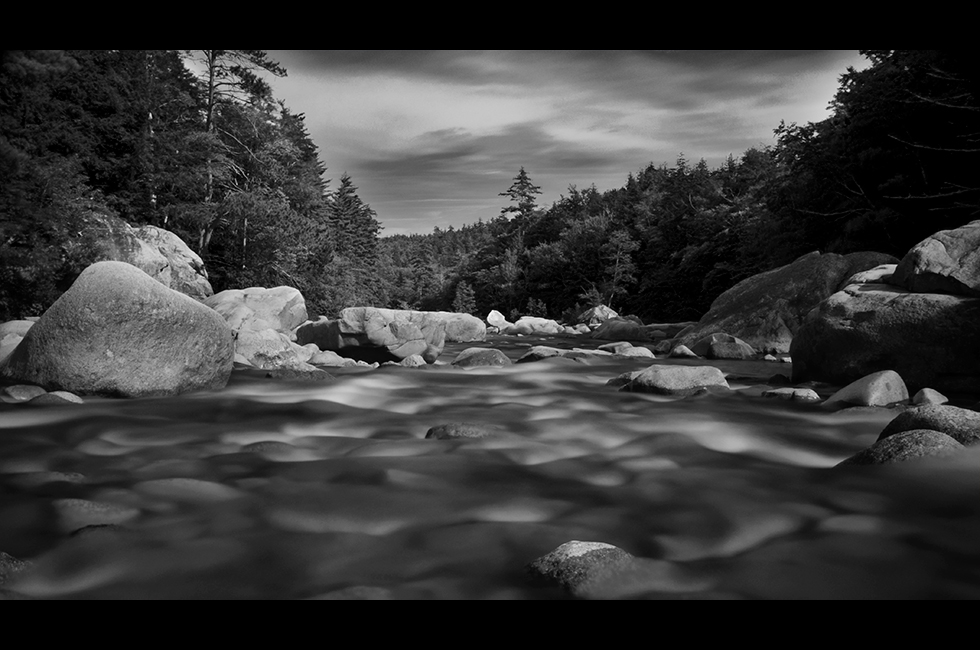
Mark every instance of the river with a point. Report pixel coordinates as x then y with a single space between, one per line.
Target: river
281 490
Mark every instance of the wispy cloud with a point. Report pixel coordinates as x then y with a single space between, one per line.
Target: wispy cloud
432 136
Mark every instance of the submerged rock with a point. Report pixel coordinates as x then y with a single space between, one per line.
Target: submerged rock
795 394
11 566
118 332
453 430
302 372
575 564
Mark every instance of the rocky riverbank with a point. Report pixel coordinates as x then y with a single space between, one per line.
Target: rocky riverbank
249 462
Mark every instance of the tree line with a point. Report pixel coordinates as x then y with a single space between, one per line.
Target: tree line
195 142
894 162
190 141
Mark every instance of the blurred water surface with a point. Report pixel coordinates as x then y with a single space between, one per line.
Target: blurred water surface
272 489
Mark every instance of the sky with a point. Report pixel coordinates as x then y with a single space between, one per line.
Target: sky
432 137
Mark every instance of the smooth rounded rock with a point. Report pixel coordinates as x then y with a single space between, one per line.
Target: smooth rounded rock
118 332
929 396
961 424
479 357
904 446
675 380
877 389
638 352
795 394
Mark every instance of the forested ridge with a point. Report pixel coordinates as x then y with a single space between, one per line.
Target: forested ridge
214 157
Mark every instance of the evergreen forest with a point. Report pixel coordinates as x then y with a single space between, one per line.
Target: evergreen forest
196 142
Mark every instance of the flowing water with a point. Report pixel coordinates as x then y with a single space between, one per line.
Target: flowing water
273 489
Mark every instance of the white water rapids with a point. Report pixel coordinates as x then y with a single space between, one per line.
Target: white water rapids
272 489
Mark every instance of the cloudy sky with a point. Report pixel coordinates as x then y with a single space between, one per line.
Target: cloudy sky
431 137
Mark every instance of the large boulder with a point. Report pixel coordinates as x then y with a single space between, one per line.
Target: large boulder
282 309
766 310
372 334
157 252
930 339
119 332
946 262
461 328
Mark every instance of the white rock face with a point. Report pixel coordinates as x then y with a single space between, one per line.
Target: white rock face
282 309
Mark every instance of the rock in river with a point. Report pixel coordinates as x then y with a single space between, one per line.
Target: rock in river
118 332
675 380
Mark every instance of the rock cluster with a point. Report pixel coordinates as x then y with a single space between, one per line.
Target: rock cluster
373 334
923 321
922 432
767 310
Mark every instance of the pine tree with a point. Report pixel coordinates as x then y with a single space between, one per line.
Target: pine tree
465 300
228 77
522 193
353 223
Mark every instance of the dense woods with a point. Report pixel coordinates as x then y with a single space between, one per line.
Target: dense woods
195 142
